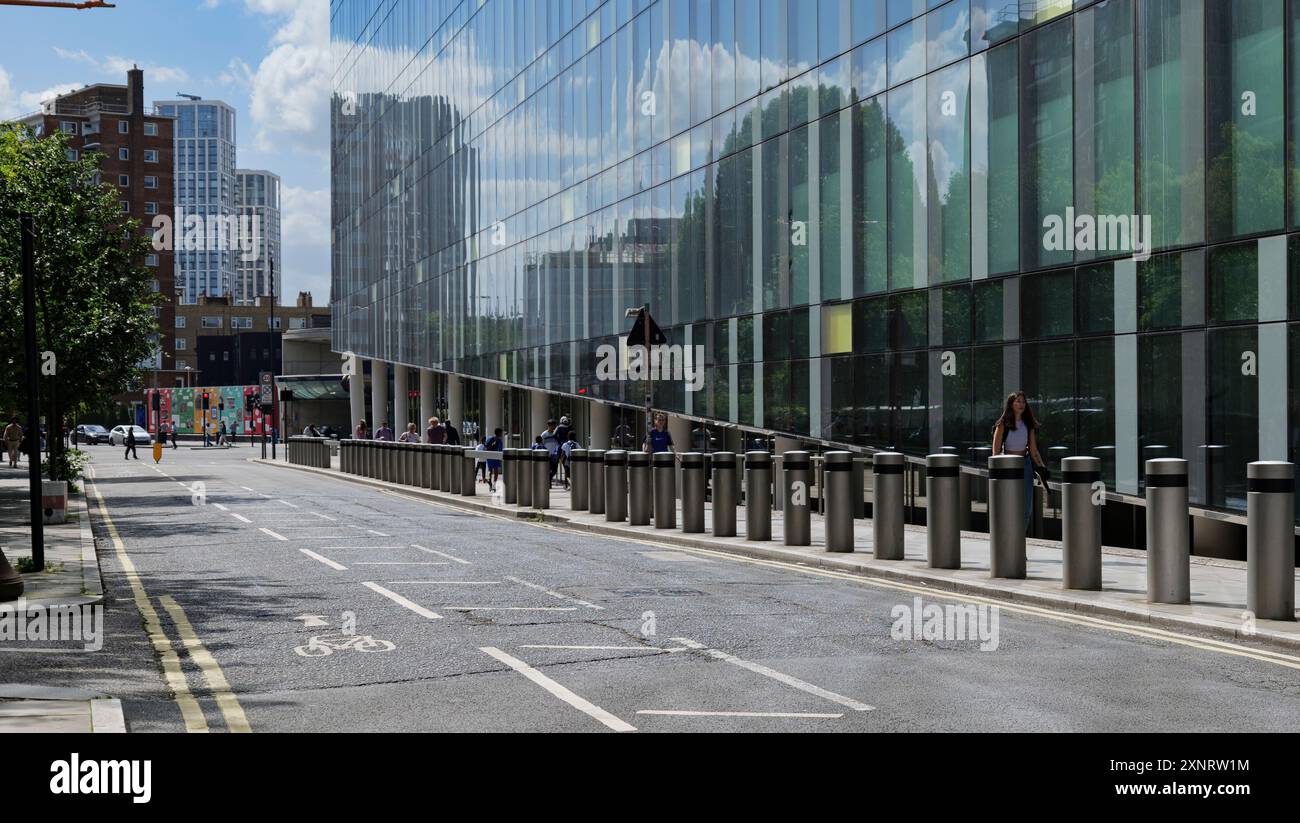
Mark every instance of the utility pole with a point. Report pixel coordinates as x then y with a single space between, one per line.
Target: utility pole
28 231
275 408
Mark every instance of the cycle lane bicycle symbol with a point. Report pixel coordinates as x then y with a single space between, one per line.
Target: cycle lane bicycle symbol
324 646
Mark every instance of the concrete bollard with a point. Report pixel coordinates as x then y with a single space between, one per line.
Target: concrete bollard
616 486
468 486
1007 516
640 495
510 476
578 480
796 488
664 470
838 468
1270 540
758 496
541 479
724 494
1169 571
1080 524
523 478
448 485
694 476
887 506
942 523
596 481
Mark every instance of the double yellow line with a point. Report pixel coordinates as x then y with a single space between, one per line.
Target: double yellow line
174 676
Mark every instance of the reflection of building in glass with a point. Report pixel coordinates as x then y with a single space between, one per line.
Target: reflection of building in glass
845 208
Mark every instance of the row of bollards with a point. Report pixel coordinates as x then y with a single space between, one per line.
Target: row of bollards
309 451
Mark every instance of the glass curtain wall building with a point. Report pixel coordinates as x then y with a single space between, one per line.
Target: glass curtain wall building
872 214
257 196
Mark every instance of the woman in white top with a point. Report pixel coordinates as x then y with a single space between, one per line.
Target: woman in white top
1017 433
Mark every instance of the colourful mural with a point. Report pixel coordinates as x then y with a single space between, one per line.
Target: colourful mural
183 408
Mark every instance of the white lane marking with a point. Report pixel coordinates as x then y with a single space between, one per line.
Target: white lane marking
672 557
270 533
287 503
363 547
586 707
775 675
554 594
245 488
338 567
677 713
379 563
182 485
240 518
445 582
510 608
324 516
441 554
267 496
221 507
402 601
378 534
606 648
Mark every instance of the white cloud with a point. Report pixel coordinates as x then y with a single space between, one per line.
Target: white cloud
305 238
114 67
290 88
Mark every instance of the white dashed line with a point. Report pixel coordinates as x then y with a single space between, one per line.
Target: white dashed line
324 516
270 533
338 567
402 601
775 675
554 594
240 518
441 554
582 705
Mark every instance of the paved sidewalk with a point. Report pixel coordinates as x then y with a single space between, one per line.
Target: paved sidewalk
50 710
1218 586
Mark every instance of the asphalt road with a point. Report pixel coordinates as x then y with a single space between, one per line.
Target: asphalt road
291 602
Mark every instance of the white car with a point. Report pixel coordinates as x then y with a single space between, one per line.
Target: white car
118 436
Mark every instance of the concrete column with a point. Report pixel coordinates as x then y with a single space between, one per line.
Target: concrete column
378 394
401 402
428 402
538 416
680 429
357 392
599 426
455 401
491 408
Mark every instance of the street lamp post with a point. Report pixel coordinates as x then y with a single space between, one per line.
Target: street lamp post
274 406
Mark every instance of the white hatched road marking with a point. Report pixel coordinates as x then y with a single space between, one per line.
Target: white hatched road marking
684 713
579 703
240 518
441 554
777 676
402 601
270 533
555 594
338 567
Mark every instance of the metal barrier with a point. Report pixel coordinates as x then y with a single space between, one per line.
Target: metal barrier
578 471
664 471
510 476
942 523
616 486
1270 540
796 489
541 479
446 470
1007 516
694 483
596 481
640 495
887 506
838 468
468 464
1169 571
1080 524
524 482
725 484
313 452
758 496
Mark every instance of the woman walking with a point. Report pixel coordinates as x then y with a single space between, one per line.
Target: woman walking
1016 433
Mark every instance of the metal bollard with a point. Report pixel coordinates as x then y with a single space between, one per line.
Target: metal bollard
578 470
758 496
616 486
724 494
942 526
857 486
640 495
541 479
1169 571
1270 540
694 476
887 506
796 488
524 479
1007 516
596 481
510 475
468 486
664 471
446 470
838 471
1080 524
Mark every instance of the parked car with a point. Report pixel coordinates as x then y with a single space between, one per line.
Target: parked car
142 437
90 434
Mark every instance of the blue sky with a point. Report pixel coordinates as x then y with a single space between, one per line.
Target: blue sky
267 58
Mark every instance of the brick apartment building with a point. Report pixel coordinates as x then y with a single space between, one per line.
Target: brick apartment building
220 344
137 160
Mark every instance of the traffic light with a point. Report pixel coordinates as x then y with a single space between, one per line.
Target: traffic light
207 401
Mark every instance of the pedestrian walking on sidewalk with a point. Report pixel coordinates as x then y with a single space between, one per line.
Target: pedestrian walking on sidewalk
361 432
659 439
411 435
494 443
1016 432
130 444
453 436
435 435
13 439
175 441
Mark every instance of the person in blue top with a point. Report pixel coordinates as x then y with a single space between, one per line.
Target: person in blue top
494 443
551 442
659 439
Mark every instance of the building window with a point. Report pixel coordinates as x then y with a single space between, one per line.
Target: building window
241 322
123 154
89 128
151 260
151 130
151 155
212 357
126 206
279 323
124 180
225 357
68 128
150 182
181 344
297 322
180 321
150 208
182 364
210 322
72 155
123 127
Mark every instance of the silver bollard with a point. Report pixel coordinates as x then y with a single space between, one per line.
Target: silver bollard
942 523
758 496
448 485
640 495
1080 524
837 469
1270 540
596 481
887 506
1169 571
425 454
468 484
510 476
1007 516
664 470
541 479
796 488
524 478
724 494
578 480
616 486
694 479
